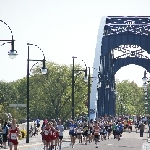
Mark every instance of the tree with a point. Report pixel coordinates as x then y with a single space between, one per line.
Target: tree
50 94
130 97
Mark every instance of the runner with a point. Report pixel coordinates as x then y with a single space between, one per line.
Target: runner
72 133
13 134
79 133
56 135
46 135
42 133
118 130
136 125
61 130
96 133
85 132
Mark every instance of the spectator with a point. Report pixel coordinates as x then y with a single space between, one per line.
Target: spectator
5 133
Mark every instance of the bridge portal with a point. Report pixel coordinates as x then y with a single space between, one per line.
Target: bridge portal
130 36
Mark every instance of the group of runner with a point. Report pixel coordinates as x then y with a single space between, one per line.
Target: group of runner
52 134
94 131
99 130
85 132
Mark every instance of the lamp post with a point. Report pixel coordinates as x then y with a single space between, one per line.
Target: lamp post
98 93
89 90
73 83
107 82
44 71
12 53
145 86
89 86
121 108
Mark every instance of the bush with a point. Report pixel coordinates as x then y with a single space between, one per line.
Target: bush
23 133
20 137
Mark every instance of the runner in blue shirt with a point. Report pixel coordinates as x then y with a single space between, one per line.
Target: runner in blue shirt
119 129
72 132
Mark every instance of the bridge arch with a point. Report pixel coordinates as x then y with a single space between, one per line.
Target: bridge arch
118 63
113 32
110 42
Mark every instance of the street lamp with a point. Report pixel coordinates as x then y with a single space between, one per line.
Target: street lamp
145 86
89 90
73 83
44 71
12 53
121 108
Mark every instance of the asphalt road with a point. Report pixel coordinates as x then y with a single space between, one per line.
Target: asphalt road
129 141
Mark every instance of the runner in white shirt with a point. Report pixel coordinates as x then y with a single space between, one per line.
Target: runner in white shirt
61 130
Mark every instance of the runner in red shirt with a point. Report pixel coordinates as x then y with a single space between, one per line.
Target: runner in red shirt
56 135
13 134
52 135
46 135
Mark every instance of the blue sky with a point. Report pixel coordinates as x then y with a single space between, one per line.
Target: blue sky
62 28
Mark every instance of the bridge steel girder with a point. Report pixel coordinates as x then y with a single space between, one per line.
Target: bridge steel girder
121 62
110 42
113 37
112 65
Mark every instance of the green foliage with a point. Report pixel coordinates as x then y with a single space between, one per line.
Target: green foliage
53 99
130 96
50 94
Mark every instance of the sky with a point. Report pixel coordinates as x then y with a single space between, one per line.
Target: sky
62 29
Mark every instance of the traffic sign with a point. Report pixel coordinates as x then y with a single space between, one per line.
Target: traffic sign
17 105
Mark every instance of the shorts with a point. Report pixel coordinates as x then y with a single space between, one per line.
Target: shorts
38 125
109 130
72 134
96 136
53 137
114 132
60 137
14 142
4 137
85 134
118 133
127 126
79 133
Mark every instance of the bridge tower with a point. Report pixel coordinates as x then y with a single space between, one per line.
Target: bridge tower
130 36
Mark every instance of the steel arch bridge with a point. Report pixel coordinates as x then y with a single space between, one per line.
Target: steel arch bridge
130 36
